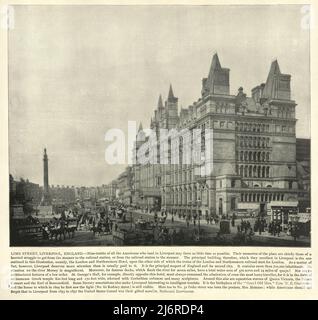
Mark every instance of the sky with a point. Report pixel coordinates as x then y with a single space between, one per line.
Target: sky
77 71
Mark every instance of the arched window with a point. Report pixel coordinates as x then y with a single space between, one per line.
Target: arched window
263 172
254 171
267 172
267 156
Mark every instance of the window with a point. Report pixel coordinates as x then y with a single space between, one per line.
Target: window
290 184
232 183
233 203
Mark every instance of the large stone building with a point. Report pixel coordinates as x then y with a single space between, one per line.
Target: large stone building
303 173
254 149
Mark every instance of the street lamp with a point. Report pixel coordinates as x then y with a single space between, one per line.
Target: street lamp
131 220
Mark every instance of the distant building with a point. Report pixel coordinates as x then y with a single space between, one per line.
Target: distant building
23 191
124 186
63 194
110 190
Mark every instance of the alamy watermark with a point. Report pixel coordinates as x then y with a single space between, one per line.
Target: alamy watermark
307 19
7 17
161 146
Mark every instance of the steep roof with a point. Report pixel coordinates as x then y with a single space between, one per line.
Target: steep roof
170 94
160 104
277 85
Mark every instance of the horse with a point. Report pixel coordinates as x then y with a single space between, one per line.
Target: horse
101 228
70 231
58 231
70 228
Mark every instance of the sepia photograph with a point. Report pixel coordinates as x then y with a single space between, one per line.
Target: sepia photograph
159 125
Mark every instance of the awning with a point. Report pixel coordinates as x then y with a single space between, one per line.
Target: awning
283 204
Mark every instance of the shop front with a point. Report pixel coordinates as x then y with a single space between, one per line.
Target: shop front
282 212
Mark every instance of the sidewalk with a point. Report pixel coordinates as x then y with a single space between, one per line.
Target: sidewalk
203 222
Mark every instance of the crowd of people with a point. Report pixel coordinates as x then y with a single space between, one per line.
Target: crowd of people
274 228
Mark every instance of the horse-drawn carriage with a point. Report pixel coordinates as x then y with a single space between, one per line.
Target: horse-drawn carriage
59 229
144 224
101 228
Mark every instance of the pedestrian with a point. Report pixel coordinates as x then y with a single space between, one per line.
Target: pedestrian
295 231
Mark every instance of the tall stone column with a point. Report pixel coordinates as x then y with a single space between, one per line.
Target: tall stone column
46 198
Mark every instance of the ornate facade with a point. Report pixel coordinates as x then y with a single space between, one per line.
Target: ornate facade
254 149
